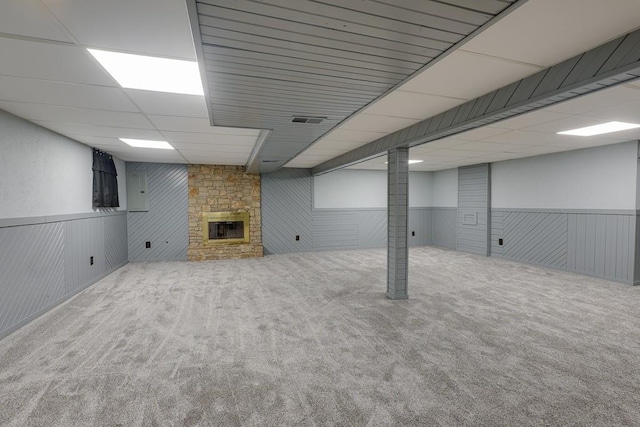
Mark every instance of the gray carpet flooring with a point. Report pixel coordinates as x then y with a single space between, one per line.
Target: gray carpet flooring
310 339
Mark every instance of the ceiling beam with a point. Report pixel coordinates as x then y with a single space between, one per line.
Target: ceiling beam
607 65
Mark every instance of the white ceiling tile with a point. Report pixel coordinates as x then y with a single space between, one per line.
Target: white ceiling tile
343 145
602 99
181 124
412 105
64 94
99 141
210 139
468 75
530 119
350 135
164 24
621 112
545 32
566 123
299 163
480 133
31 18
77 129
53 113
482 146
375 123
51 62
324 151
519 138
211 149
440 143
169 104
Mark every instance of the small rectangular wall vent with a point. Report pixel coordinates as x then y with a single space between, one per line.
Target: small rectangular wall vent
308 120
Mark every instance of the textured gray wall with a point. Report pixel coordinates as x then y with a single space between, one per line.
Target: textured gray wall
594 243
44 264
473 202
166 224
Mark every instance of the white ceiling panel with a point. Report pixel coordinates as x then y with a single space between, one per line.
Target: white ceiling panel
351 135
440 143
181 124
51 62
468 75
480 133
210 138
169 104
622 113
99 141
545 32
412 105
53 113
521 137
491 147
163 23
375 123
31 18
64 94
614 96
78 129
530 119
219 148
341 145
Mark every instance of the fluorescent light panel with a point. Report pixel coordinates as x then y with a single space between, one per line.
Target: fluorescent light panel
600 129
410 162
151 73
144 143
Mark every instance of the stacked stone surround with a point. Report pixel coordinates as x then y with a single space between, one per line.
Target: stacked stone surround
223 189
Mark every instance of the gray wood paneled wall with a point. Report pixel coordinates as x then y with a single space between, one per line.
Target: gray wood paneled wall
287 199
45 263
473 209
166 224
598 243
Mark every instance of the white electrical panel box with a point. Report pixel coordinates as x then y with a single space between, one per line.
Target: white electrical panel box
137 192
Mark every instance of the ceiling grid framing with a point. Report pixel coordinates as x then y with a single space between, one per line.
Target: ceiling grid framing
612 63
265 61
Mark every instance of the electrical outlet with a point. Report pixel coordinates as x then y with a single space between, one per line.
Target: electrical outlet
297 237
500 242
147 245
413 233
91 260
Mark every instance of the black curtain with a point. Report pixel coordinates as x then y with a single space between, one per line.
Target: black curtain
105 181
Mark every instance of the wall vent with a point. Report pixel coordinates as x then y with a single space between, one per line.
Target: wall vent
308 120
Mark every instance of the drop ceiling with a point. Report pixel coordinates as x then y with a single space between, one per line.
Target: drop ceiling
367 66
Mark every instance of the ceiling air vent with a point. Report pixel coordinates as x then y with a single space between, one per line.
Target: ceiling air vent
309 120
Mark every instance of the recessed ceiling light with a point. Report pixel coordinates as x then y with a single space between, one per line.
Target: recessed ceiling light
151 73
410 162
144 143
600 129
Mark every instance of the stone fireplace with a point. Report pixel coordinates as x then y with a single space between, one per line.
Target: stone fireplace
224 213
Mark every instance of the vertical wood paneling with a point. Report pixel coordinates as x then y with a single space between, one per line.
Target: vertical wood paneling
595 244
443 227
286 211
420 222
84 238
166 224
473 202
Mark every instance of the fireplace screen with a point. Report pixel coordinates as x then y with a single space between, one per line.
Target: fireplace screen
225 227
